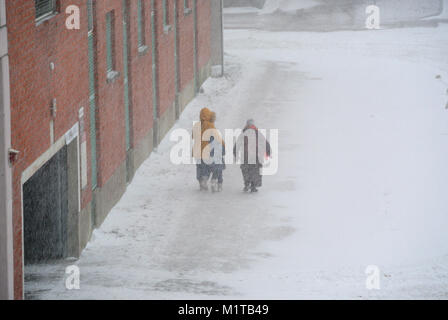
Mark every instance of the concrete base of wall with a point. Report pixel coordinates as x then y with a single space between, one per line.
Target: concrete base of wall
129 165
166 121
85 226
204 73
143 150
186 95
108 195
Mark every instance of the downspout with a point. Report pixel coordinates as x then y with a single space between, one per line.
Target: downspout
155 100
195 45
176 62
6 233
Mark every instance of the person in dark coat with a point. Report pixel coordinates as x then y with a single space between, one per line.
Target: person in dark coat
252 149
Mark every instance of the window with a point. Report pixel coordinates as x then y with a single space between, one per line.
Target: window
110 46
166 21
187 9
44 8
141 25
90 15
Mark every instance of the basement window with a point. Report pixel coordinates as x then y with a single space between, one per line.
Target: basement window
141 27
166 21
187 9
45 9
110 47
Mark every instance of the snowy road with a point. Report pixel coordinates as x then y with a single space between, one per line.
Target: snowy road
362 181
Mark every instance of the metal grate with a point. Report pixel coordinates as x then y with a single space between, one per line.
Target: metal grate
165 13
44 8
90 15
110 37
141 23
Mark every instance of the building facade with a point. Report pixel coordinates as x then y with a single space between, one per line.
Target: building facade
6 236
89 102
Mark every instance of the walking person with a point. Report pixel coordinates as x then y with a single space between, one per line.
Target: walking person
252 149
202 169
217 159
204 133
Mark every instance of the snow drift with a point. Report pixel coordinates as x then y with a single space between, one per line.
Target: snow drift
272 6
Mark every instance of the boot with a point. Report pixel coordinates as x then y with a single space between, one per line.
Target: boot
214 185
219 187
253 188
246 187
203 184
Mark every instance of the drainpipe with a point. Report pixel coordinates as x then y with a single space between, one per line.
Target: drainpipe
195 45
155 100
6 234
176 61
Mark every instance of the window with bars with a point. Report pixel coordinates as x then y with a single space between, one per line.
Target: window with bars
44 8
141 23
110 46
90 14
166 20
187 9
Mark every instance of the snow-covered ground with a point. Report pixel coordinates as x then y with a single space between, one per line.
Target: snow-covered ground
272 6
334 15
362 180
287 5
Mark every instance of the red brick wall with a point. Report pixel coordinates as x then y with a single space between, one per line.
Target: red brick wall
186 46
34 85
165 53
204 32
140 73
111 143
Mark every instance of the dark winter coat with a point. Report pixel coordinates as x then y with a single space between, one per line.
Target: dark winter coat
251 169
243 144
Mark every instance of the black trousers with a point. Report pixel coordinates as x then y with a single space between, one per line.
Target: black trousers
251 175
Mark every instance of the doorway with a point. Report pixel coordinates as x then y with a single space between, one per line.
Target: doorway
45 211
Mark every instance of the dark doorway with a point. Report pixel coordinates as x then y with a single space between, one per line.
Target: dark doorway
45 207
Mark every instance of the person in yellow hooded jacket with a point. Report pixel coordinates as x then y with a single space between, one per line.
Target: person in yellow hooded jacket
216 161
204 132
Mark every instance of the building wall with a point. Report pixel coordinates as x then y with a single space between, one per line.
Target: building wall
204 39
34 85
217 37
32 48
110 115
6 245
141 76
186 46
165 58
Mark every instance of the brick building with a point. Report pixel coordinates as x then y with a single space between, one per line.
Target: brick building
82 108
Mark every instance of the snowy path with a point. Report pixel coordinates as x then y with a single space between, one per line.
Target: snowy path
362 181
